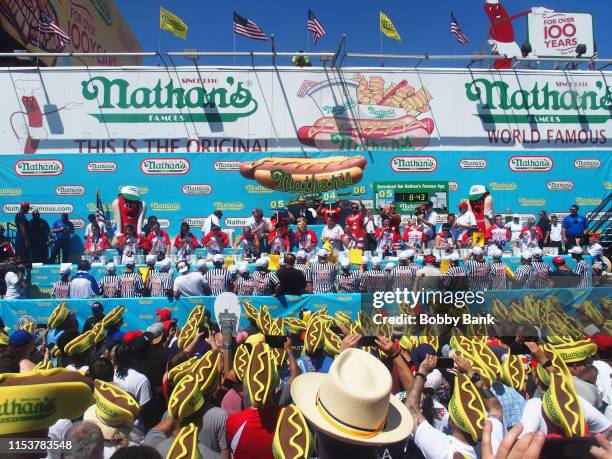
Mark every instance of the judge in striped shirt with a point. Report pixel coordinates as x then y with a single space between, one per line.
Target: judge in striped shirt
131 284
348 281
500 270
302 264
323 274
523 277
244 282
61 288
375 279
219 279
479 271
109 285
405 271
455 278
541 269
263 279
581 269
161 280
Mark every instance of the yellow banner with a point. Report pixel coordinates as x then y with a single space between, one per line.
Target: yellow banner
387 27
172 23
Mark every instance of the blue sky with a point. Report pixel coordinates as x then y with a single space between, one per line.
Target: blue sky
423 26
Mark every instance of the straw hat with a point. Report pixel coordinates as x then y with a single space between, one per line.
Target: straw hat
353 402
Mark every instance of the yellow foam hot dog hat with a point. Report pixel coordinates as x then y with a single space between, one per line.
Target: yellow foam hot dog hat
4 339
241 360
261 376
292 437
331 341
37 399
295 326
186 399
313 339
513 372
197 314
342 319
114 412
175 374
30 327
114 316
250 311
59 315
185 444
188 333
44 365
99 333
80 344
206 370
576 351
265 322
466 408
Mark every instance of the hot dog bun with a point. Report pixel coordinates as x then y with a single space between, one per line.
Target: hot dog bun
303 166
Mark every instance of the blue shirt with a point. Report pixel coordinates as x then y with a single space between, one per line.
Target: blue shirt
574 225
66 232
511 401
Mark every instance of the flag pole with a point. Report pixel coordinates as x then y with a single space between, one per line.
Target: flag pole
382 64
234 34
307 37
159 40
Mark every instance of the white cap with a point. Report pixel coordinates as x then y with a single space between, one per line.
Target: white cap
365 259
434 379
410 253
130 261
477 251
151 259
65 268
322 253
243 268
527 255
182 266
389 266
232 269
110 266
301 254
492 2
165 264
261 262
454 256
376 261
575 250
201 263
217 258
537 252
496 253
130 192
403 255
345 262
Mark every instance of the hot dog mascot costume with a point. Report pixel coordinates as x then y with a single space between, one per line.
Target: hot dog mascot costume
480 203
128 209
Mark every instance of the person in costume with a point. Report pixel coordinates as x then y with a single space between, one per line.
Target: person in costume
128 209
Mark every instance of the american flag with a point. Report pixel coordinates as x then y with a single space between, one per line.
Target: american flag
315 27
100 216
48 25
306 85
247 28
457 32
592 62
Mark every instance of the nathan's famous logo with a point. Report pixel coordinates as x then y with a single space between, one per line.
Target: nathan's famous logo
236 221
453 186
195 221
503 186
167 101
70 190
228 205
305 175
167 206
387 116
588 201
473 164
38 167
200 188
163 223
560 185
414 164
530 163
78 223
101 166
252 189
527 202
227 166
31 408
43 208
587 163
165 166
539 104
11 191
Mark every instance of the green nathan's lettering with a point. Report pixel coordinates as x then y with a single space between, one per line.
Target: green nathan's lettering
284 182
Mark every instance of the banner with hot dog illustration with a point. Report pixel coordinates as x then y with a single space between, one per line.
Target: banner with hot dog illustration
350 111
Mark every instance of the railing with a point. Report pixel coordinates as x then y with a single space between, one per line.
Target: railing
602 223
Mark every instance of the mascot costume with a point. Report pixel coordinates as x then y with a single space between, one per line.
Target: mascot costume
502 31
480 203
128 209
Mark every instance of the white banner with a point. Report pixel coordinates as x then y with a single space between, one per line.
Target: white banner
557 34
210 110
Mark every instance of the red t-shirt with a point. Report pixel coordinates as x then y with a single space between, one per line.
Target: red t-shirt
158 242
497 233
333 213
249 433
355 223
178 241
215 243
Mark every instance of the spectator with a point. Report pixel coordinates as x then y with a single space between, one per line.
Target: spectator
244 281
216 240
218 279
97 314
185 242
131 284
63 229
305 238
262 278
395 219
497 233
278 239
581 268
555 239
83 284
413 237
22 239
211 221
544 225
323 273
96 243
21 346
388 240
188 283
6 248
151 361
130 243
465 220
524 275
109 285
515 227
348 281
291 281
301 263
355 223
158 242
302 211
574 226
374 280
530 235
595 250
427 222
444 239
86 440
91 218
333 233
161 280
332 210
61 288
562 275
201 266
369 225
40 238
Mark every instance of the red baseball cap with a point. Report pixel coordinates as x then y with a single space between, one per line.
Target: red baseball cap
131 336
429 259
604 342
463 205
558 261
164 314
594 236
25 204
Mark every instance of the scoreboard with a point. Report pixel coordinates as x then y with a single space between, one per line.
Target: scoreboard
407 196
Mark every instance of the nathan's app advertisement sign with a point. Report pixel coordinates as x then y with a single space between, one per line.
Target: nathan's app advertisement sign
555 34
179 187
209 110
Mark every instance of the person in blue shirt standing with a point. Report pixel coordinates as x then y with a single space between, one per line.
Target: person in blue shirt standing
63 229
573 228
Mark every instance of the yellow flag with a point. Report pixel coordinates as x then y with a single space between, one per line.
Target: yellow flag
172 23
387 27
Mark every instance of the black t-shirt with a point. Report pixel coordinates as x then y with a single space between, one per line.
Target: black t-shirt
544 224
21 219
39 231
292 281
564 278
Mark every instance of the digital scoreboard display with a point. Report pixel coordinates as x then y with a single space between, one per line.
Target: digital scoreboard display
411 197
407 196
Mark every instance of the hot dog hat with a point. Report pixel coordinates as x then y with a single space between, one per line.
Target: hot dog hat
99 333
513 372
197 313
206 370
185 444
560 402
241 361
432 340
175 374
365 322
30 327
466 408
261 376
331 341
488 357
265 321
188 333
342 319
80 344
295 326
313 339
407 344
543 375
292 437
186 399
44 365
130 193
114 411
59 315
279 356
467 348
37 399
250 310
114 316
576 351
4 339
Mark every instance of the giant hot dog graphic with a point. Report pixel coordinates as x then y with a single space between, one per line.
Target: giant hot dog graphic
305 175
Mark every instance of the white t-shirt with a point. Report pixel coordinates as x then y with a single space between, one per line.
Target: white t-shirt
137 385
13 290
467 219
555 232
429 231
211 220
515 230
604 382
596 251
437 445
534 421
88 228
262 227
190 284
335 231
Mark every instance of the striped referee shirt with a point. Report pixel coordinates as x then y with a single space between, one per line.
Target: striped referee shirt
499 281
323 277
109 286
541 272
219 280
455 278
262 283
306 270
404 275
348 283
524 276
161 282
582 270
374 280
61 290
244 285
131 285
479 275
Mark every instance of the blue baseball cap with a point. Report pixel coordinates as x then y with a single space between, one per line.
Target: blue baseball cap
21 338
